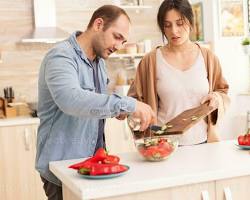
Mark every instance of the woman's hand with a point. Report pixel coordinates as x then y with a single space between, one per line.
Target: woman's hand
212 100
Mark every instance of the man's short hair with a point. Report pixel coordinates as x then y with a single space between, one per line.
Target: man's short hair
109 13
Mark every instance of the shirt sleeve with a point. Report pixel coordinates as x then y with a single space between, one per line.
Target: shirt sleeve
61 77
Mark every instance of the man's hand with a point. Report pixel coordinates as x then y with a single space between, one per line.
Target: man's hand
122 116
145 113
212 99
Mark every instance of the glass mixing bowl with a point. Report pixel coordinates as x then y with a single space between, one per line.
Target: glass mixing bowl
156 148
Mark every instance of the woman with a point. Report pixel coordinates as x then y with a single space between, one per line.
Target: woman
181 75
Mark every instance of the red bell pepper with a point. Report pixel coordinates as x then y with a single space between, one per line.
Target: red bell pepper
111 159
86 163
101 169
99 156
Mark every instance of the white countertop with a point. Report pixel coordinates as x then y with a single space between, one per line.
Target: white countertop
188 165
16 121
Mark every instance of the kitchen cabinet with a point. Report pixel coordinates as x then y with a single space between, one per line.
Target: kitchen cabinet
212 171
233 189
202 191
19 180
118 137
195 192
229 189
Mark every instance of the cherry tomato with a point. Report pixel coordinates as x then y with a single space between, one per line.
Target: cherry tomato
244 139
241 140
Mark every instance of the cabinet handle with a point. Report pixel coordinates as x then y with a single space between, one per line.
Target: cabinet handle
27 141
228 193
204 195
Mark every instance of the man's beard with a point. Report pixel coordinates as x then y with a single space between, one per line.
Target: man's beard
98 48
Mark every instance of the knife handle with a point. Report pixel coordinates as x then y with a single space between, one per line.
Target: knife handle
5 93
11 94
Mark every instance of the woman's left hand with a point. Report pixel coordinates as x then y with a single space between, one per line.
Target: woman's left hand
212 100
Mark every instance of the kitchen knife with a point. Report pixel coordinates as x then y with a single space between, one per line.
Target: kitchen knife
5 93
11 92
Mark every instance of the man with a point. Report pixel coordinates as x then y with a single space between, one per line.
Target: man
72 100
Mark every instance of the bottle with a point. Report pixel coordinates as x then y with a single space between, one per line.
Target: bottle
140 2
121 77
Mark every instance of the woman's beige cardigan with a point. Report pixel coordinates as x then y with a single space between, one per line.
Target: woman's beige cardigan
144 87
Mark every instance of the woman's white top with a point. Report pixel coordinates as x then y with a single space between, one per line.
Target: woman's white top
181 90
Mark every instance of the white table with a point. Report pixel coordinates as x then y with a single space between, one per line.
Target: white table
199 171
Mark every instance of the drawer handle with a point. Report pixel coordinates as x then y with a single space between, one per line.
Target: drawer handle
204 195
228 193
27 141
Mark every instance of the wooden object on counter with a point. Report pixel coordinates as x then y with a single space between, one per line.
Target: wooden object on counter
8 111
22 109
178 125
1 108
187 119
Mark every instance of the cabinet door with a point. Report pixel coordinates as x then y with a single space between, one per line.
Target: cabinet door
118 136
233 189
17 163
201 191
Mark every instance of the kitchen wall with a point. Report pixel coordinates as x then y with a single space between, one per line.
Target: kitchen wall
20 70
15 20
74 15
20 62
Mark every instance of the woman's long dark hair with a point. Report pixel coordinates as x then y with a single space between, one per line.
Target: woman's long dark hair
181 6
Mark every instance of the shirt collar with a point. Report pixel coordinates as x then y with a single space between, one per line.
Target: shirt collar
76 46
